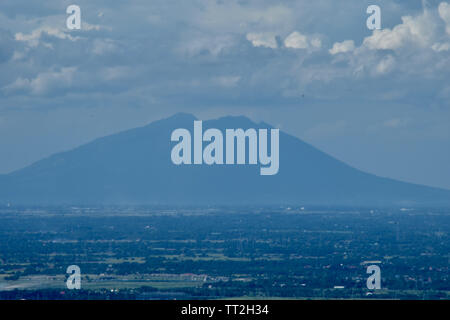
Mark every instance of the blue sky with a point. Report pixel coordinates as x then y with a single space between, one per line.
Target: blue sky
376 100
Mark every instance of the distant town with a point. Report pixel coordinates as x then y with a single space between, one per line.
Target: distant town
150 253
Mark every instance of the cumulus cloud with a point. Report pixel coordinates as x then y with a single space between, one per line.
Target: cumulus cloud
222 43
413 30
444 13
439 47
196 44
43 83
102 46
415 47
266 39
296 40
237 17
342 47
386 65
89 27
34 38
19 85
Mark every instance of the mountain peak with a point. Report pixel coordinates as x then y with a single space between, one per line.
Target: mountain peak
232 122
180 118
135 167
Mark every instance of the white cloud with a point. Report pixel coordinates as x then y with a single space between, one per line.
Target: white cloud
396 123
206 39
341 47
89 27
266 39
233 16
418 31
44 82
316 42
102 46
444 13
226 81
18 55
296 40
18 85
385 65
439 47
194 44
33 39
116 72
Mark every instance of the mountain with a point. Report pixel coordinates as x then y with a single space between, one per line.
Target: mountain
135 167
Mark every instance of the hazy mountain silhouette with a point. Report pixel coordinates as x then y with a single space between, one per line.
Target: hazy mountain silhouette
134 167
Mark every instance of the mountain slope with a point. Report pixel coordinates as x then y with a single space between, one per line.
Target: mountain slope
134 167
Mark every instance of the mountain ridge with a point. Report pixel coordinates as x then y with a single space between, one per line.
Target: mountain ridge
134 167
